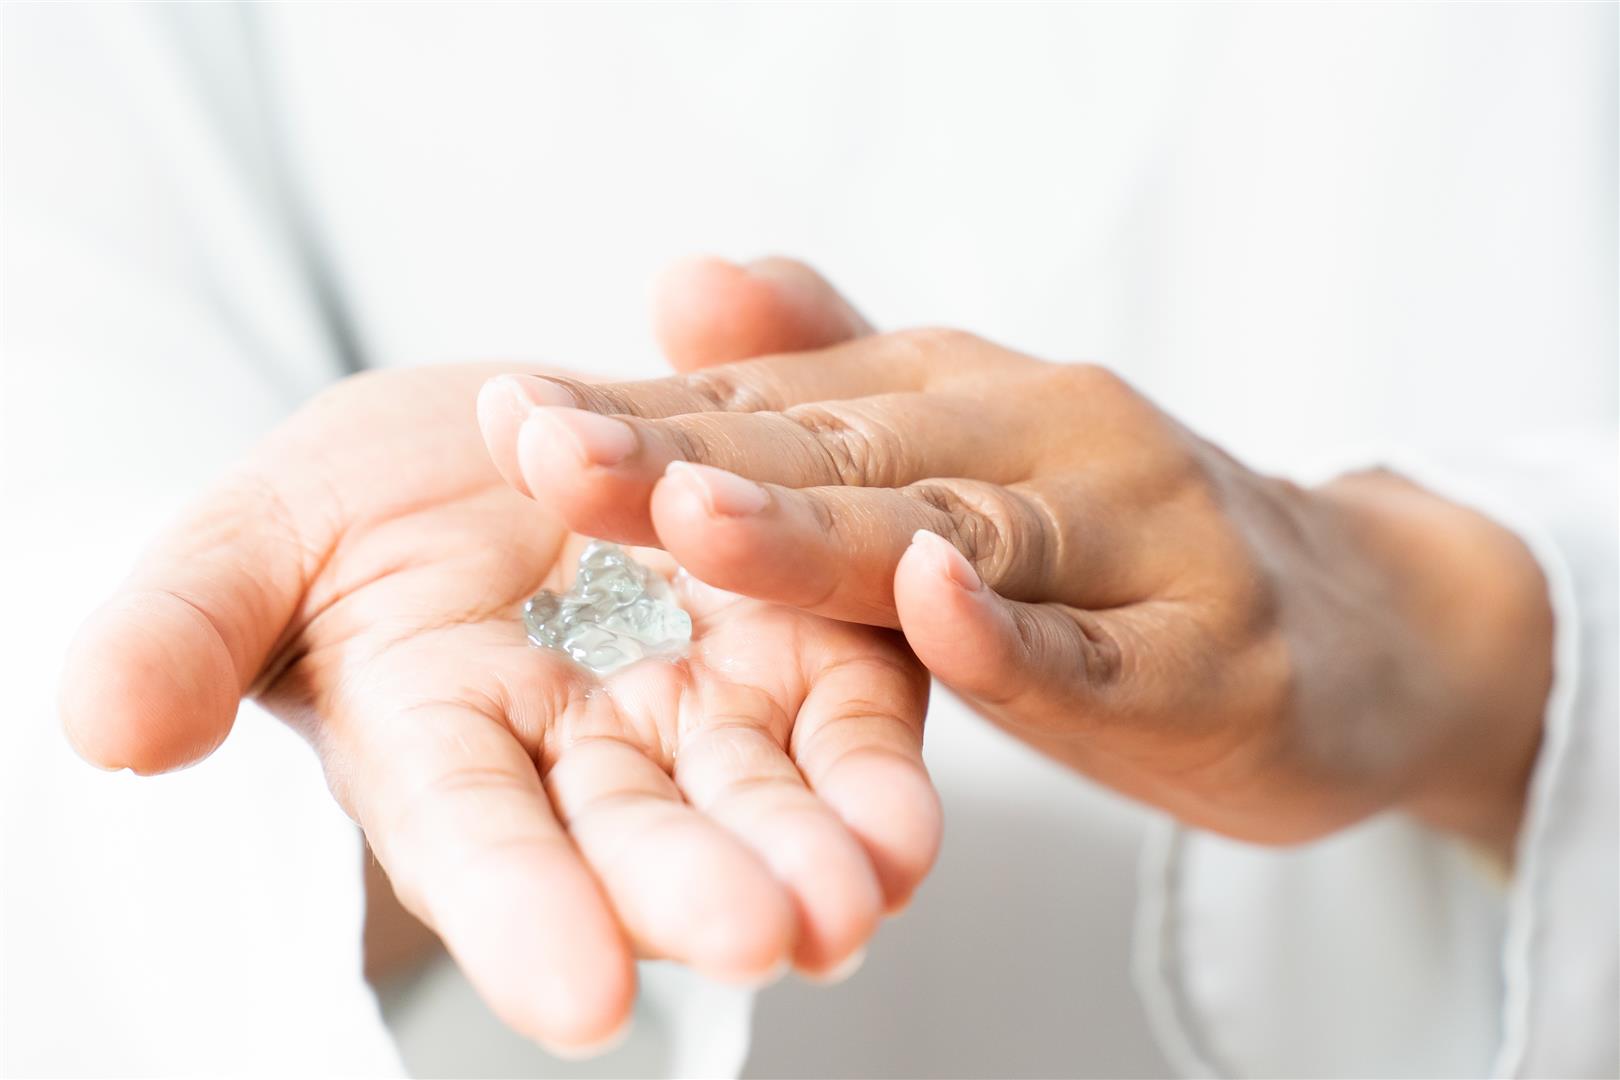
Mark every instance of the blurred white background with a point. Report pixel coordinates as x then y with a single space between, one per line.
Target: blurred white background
1298 227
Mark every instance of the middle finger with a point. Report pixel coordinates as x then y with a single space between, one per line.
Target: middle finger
599 471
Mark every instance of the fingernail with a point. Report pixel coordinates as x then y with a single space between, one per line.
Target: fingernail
950 562
839 972
724 493
534 390
601 440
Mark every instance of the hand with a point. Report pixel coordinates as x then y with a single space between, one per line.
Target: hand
362 577
1269 662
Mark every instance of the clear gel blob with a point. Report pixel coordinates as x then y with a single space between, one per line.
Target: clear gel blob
617 612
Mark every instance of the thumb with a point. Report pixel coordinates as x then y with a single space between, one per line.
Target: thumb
710 311
153 678
1036 659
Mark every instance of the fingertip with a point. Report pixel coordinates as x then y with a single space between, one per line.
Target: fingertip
505 402
838 896
577 1027
678 514
148 685
708 310
502 408
720 493
727 550
758 980
690 278
584 1051
567 459
547 457
679 492
754 948
696 316
749 938
536 939
526 392
689 891
842 971
944 560
955 625
893 809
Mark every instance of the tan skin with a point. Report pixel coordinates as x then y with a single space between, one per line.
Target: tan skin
1271 662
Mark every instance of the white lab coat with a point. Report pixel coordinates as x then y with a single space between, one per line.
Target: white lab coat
1301 228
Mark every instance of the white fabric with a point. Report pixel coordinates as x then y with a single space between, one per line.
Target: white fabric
1297 226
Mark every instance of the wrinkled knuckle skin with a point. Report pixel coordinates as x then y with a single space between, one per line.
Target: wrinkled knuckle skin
688 444
610 402
728 391
856 450
1102 655
999 533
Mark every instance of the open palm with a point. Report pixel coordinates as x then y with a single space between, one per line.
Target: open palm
759 803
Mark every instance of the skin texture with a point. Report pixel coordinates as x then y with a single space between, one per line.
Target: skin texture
759 805
1261 660
1266 661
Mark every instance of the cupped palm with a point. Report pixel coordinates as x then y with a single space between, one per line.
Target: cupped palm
757 803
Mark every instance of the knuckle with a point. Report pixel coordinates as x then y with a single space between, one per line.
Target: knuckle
728 389
1162 479
1090 381
599 399
1071 644
1243 595
688 439
1000 533
935 342
1102 656
948 355
857 449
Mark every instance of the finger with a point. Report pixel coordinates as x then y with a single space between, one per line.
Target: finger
834 551
706 312
739 775
684 888
897 362
453 806
154 677
1028 658
504 402
858 743
599 472
879 364
709 311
